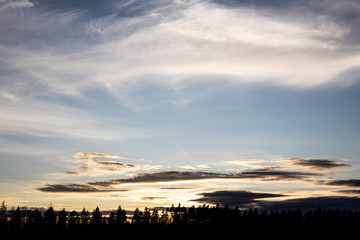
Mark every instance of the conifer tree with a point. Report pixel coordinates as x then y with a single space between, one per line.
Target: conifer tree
154 217
137 216
146 216
120 215
3 215
62 218
16 221
84 217
50 218
35 221
73 219
96 217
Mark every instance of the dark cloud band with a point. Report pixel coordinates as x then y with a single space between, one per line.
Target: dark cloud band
73 188
169 176
348 183
320 164
246 199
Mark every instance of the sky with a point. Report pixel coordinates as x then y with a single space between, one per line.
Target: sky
148 103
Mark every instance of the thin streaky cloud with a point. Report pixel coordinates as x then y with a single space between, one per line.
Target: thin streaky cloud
73 188
275 175
37 118
168 176
346 182
15 4
238 198
153 50
318 164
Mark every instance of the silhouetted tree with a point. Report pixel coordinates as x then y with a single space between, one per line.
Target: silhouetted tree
50 218
73 219
35 221
96 217
202 219
84 217
62 219
164 218
146 216
137 216
16 223
120 215
111 220
154 217
3 217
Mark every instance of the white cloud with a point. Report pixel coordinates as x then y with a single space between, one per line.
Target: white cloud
98 164
37 118
175 43
11 4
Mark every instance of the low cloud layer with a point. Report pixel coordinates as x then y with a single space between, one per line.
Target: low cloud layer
246 199
73 188
171 176
166 176
235 198
272 175
346 183
317 164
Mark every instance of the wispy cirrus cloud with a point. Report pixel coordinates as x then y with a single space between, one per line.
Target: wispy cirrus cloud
37 118
234 43
11 4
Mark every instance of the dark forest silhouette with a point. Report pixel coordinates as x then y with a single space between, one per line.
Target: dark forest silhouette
202 221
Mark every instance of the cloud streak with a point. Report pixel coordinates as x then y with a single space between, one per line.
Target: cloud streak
347 183
234 43
166 176
238 198
248 199
37 118
88 163
171 176
14 4
73 188
271 175
317 164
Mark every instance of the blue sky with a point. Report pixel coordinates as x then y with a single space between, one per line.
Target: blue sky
149 103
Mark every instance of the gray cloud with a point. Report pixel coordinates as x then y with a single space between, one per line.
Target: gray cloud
152 198
266 174
348 183
114 164
71 188
235 198
351 191
246 199
168 176
319 164
165 177
314 202
72 173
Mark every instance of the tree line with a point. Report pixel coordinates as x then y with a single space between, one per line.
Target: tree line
203 217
